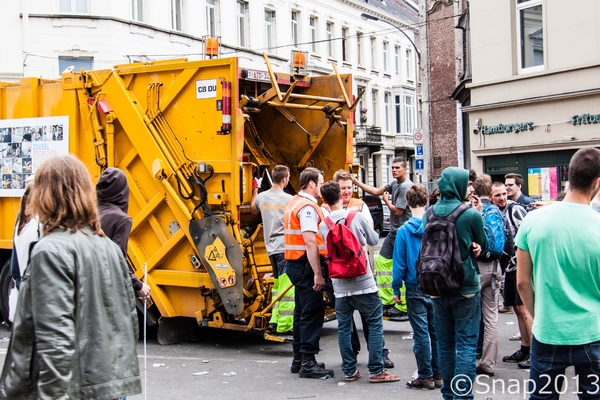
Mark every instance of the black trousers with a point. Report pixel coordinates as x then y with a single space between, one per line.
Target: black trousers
309 311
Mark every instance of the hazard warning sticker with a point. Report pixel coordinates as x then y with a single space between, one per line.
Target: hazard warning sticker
216 257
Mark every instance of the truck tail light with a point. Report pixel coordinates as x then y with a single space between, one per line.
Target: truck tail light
226 107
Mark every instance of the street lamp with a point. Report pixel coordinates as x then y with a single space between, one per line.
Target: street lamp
374 18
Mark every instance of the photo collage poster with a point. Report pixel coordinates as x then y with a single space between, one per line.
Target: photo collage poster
24 144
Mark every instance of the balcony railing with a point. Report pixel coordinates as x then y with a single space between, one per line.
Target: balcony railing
368 134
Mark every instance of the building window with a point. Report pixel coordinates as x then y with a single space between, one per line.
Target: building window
374 95
409 113
530 34
398 109
313 33
269 29
86 63
242 15
359 56
176 15
361 105
373 53
295 28
385 56
363 164
344 44
388 169
74 6
329 33
409 65
386 107
397 60
137 10
211 18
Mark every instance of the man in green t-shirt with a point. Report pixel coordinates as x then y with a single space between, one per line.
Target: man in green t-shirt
558 278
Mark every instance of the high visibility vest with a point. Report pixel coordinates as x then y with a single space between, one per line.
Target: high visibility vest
292 234
353 204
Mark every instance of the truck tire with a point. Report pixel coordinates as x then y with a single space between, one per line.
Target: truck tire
5 279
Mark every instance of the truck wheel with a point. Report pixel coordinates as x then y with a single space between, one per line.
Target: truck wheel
5 279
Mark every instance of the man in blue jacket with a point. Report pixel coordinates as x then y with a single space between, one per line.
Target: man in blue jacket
420 308
457 316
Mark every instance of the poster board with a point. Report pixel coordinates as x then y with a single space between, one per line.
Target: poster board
543 183
24 144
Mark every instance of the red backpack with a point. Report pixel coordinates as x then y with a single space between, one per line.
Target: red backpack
347 259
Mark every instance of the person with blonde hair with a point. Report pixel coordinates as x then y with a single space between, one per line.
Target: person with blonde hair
76 328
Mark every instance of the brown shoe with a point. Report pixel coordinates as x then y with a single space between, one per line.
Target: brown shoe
420 383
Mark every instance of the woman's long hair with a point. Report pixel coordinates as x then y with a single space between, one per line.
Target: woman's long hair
24 216
63 196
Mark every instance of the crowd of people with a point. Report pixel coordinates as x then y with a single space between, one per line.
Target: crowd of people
455 334
543 259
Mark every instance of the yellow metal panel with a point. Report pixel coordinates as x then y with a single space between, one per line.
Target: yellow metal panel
159 119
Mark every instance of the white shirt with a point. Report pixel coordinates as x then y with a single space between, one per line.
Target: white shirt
309 219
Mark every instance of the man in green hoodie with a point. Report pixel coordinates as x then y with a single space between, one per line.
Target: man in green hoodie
457 316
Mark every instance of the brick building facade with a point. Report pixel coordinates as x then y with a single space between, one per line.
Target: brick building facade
445 71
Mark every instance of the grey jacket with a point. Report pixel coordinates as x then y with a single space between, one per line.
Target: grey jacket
76 329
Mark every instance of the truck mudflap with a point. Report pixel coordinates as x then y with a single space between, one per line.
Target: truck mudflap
221 254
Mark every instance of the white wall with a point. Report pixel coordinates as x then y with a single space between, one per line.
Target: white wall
44 34
571 37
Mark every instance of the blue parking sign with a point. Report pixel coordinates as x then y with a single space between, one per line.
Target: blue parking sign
419 165
419 150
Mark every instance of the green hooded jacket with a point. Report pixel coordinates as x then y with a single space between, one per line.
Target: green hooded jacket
469 226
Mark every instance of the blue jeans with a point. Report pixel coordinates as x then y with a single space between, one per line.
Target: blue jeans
457 321
420 315
371 311
548 363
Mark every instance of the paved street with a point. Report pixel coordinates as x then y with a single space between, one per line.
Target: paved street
237 366
231 365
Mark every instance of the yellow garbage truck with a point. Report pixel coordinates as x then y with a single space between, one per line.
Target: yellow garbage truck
190 136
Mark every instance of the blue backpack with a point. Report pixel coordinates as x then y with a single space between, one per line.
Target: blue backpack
494 230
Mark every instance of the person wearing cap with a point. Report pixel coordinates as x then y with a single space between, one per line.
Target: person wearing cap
112 191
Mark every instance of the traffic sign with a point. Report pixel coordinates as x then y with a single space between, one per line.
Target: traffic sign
419 151
419 165
417 136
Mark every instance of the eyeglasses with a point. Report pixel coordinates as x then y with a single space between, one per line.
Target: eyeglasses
509 184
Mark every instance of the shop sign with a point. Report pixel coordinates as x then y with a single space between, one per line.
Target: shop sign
516 128
585 119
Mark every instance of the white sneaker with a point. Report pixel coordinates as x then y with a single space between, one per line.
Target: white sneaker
516 336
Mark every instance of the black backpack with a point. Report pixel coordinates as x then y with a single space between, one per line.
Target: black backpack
440 269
